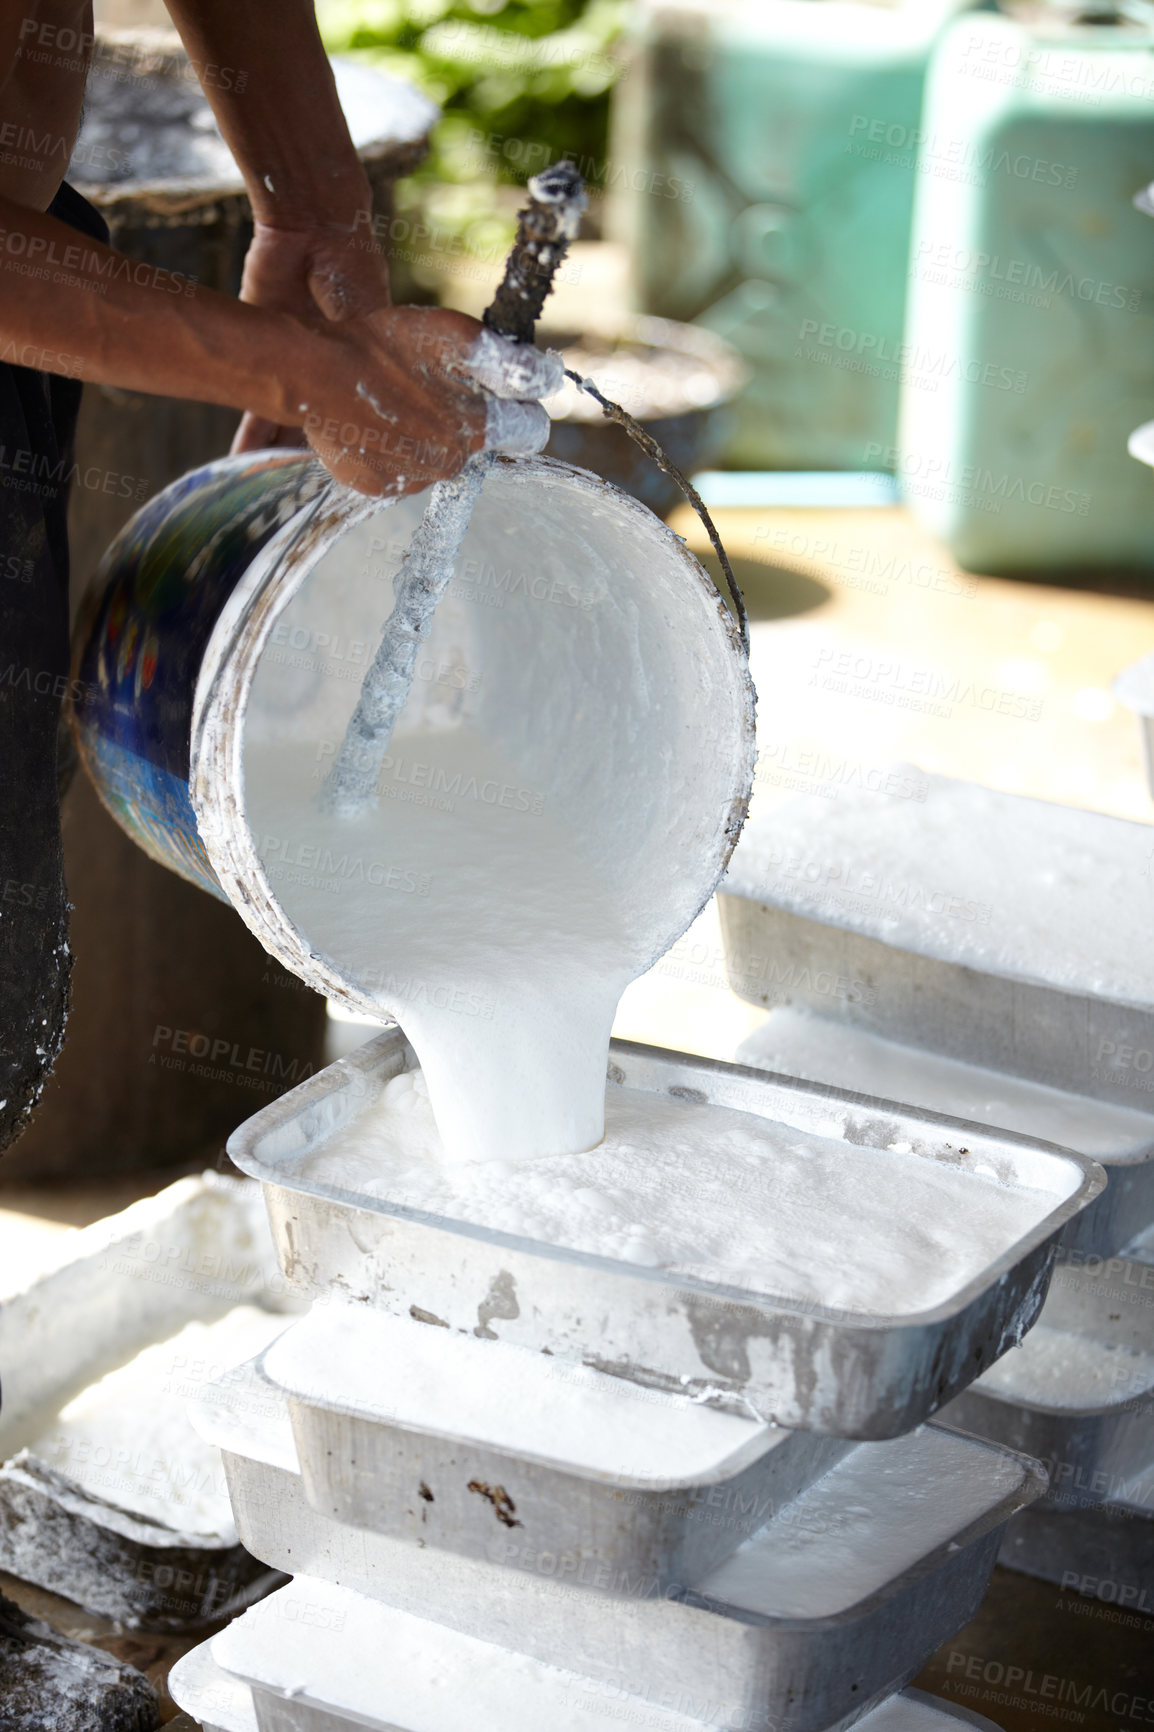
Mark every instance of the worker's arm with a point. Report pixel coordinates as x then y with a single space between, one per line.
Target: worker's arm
382 395
265 72
372 393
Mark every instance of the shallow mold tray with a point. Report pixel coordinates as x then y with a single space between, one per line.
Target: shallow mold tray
1078 1394
107 1496
1104 1552
500 1453
786 1335
803 1043
315 1651
216 1700
220 1702
931 924
834 1603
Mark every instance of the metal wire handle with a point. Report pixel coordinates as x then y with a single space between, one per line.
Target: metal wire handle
614 412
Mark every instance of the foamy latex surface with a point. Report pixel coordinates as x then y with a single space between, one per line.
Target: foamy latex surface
710 1192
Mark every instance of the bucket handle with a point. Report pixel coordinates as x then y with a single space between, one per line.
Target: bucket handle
545 227
614 412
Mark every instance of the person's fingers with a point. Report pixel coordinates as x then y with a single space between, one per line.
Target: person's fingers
366 474
516 428
431 342
412 393
514 370
440 344
255 433
427 438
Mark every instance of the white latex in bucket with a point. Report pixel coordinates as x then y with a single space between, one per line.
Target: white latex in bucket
560 796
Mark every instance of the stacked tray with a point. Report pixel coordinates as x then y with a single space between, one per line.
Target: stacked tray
867 1558
998 950
788 1357
223 1702
1078 1394
546 1475
398 1432
1103 1551
972 1004
95 1503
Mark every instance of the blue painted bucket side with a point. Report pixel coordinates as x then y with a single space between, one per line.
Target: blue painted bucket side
144 630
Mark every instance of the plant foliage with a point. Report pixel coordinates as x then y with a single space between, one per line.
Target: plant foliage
520 83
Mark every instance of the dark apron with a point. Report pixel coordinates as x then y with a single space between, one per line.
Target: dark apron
37 428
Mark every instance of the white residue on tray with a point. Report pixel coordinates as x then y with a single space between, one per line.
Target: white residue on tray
128 1439
794 1043
315 1643
871 1517
1058 1368
510 1398
1012 886
709 1192
910 1711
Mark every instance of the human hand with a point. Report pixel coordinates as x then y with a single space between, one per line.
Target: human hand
404 396
390 398
310 273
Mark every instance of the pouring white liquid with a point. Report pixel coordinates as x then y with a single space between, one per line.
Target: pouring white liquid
476 918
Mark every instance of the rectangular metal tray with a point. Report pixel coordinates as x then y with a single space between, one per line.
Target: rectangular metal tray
1096 1319
803 1366
812 1041
760 1671
386 1414
192 1252
216 1700
1105 1553
919 920
133 1279
386 1667
221 1703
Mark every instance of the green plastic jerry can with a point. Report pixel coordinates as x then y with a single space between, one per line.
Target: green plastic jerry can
1030 329
762 173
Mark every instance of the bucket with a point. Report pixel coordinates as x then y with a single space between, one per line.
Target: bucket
581 716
